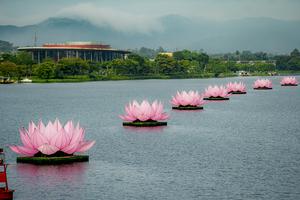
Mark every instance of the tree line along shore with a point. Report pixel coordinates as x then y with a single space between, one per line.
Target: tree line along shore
146 63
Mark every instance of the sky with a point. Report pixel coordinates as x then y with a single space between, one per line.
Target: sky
142 15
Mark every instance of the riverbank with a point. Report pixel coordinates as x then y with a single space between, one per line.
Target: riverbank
87 78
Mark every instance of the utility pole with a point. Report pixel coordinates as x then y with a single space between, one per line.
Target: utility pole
35 39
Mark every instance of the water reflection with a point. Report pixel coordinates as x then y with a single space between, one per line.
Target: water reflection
52 174
217 101
187 111
157 129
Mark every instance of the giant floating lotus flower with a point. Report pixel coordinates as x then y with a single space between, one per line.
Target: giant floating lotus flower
144 112
262 83
190 98
289 81
216 91
51 139
236 87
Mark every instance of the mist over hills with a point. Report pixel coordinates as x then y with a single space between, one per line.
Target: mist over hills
255 34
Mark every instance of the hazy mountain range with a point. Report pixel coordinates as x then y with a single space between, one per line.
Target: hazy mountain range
178 32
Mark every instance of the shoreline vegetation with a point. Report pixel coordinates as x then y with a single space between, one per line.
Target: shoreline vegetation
147 64
77 79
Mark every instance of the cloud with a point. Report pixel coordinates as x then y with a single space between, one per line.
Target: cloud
117 19
141 15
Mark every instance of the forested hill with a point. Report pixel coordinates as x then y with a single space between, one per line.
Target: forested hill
254 34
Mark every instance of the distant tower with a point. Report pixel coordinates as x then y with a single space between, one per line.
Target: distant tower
35 39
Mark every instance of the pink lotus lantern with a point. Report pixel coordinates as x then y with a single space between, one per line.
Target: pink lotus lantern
187 101
236 88
216 93
289 81
262 84
144 114
52 140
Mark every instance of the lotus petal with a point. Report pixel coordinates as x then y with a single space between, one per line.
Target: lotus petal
71 148
38 139
60 140
25 138
23 150
57 125
48 149
50 131
84 146
41 127
31 128
127 118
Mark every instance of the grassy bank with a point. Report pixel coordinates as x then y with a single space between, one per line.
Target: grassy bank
288 72
85 78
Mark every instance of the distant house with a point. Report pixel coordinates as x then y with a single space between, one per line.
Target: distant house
243 73
95 52
170 54
253 62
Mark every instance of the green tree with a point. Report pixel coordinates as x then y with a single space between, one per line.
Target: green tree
295 53
188 67
263 67
8 68
261 56
144 66
9 57
183 55
217 67
165 64
281 62
201 58
291 62
232 66
124 67
185 66
238 55
73 66
45 70
244 67
25 59
294 63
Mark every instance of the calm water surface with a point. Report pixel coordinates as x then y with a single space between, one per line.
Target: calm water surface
244 148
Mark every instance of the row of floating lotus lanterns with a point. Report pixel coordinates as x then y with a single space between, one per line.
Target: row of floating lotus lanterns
57 144
146 114
265 84
52 144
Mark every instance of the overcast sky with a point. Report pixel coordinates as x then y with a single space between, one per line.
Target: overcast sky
142 14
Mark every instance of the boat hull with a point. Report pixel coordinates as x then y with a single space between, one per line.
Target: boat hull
6 194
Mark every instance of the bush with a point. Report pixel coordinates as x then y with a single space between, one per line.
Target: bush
45 70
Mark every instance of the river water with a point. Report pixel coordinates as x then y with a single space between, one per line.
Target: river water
244 148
